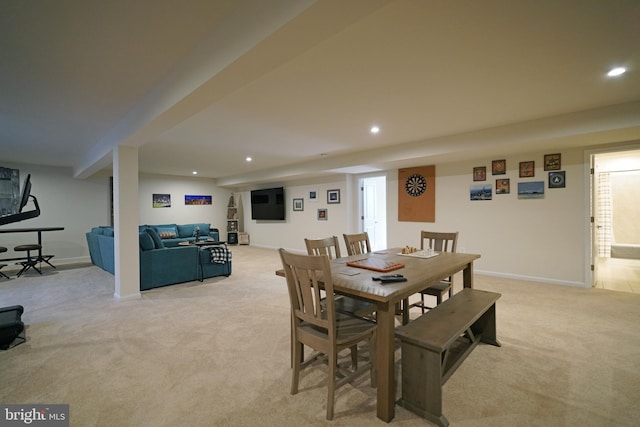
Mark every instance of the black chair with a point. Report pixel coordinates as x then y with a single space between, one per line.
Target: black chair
11 326
30 262
3 249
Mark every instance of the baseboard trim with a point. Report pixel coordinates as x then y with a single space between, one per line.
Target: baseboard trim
532 278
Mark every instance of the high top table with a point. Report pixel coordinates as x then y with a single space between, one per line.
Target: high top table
420 274
39 230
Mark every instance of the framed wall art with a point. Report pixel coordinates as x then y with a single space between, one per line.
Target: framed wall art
298 204
531 190
503 186
480 173
557 179
322 214
313 195
161 200
552 162
333 196
499 167
197 200
480 192
527 169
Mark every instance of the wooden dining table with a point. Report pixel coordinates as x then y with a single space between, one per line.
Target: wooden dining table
420 274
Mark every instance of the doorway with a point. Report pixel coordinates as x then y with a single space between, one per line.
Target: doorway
615 201
373 190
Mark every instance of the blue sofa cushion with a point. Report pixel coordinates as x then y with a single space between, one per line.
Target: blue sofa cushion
157 241
167 232
189 230
105 230
146 242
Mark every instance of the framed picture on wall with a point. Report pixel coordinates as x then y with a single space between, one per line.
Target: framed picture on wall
557 179
333 196
190 199
499 167
552 162
161 200
503 186
298 204
527 169
322 214
480 173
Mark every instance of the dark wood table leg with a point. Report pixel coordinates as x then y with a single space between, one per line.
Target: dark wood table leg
467 276
386 362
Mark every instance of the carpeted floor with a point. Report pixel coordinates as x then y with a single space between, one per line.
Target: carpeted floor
217 353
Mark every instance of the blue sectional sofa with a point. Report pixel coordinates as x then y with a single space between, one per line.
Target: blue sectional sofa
174 234
163 261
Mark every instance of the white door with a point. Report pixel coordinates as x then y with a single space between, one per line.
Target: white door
374 210
595 219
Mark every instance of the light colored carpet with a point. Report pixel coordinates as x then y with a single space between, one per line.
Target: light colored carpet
217 353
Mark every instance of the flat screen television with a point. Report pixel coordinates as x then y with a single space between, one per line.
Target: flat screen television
26 191
21 215
267 204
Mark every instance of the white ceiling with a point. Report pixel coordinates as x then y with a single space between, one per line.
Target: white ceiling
296 84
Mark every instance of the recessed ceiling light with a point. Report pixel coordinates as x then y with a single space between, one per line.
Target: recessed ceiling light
374 129
616 71
195 172
248 159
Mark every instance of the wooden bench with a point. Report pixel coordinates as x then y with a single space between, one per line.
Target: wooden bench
435 345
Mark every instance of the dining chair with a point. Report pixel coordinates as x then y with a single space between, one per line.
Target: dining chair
439 242
328 246
320 327
357 243
347 305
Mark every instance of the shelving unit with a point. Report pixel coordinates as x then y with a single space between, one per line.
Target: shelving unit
232 221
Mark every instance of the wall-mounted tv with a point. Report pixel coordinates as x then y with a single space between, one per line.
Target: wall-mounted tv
26 192
21 215
267 204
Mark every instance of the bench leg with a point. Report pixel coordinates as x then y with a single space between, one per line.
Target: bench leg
422 373
485 327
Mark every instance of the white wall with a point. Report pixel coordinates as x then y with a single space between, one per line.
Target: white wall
528 239
299 225
179 213
78 205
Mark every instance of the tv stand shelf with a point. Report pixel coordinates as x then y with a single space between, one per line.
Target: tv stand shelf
232 221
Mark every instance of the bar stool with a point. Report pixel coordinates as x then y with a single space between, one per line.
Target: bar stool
3 249
30 262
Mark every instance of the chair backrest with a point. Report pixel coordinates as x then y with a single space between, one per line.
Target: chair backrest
441 242
306 276
323 247
357 243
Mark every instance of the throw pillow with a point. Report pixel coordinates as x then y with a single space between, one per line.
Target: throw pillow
157 240
167 232
146 242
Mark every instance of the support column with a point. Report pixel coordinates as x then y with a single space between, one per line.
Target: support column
126 219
